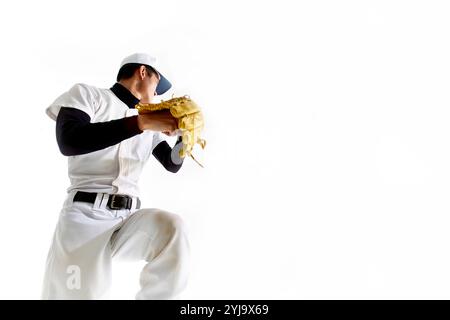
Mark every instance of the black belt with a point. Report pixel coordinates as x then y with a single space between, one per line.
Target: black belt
115 201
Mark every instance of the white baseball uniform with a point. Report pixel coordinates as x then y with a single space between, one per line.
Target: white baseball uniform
89 235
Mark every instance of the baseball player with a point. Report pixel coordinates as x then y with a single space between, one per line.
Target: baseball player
107 144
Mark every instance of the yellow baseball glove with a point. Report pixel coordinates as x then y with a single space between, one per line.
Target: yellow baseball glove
190 120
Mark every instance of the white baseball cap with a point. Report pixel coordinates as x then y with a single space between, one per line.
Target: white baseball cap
148 60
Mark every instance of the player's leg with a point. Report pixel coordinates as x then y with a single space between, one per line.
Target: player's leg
160 238
79 260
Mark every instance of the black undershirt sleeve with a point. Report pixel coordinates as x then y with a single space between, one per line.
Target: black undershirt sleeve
163 152
76 135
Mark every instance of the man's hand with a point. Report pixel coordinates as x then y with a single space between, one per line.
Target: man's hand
161 121
174 133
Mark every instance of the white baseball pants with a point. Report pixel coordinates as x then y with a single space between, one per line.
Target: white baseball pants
88 236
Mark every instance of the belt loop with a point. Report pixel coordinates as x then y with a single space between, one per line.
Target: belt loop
98 201
101 202
69 199
133 203
136 203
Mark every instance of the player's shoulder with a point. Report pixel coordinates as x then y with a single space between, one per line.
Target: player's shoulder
84 87
86 90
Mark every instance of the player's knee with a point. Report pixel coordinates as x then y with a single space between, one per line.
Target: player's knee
174 221
169 221
177 222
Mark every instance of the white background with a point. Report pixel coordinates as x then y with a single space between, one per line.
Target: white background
327 165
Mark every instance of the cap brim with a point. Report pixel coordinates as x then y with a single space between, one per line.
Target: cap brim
163 86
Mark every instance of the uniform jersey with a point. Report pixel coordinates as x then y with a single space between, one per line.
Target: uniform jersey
97 130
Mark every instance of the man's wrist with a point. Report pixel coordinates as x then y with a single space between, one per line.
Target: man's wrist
132 125
140 122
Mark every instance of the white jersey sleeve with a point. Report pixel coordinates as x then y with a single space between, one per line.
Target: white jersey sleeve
80 96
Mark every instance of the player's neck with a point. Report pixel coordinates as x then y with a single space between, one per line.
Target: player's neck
132 86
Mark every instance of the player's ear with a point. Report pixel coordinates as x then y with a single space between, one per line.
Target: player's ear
142 72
